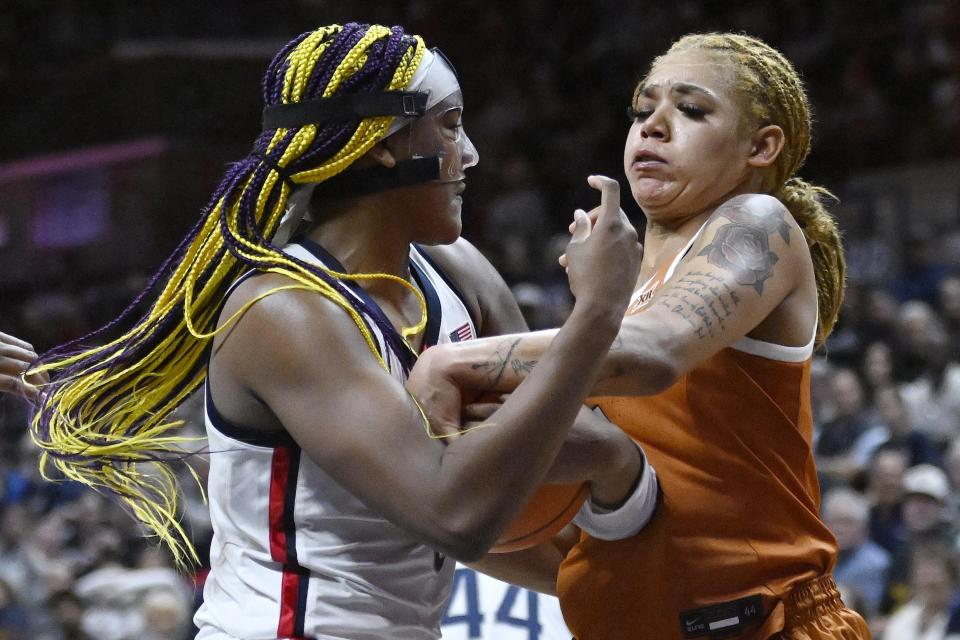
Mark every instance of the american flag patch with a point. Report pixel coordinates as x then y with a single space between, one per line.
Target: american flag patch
461 333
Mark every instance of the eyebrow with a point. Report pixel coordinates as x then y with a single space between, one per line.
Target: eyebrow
682 88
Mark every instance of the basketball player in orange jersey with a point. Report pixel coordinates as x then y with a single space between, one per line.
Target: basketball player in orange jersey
742 276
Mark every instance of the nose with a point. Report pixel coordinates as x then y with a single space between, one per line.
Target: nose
470 154
655 126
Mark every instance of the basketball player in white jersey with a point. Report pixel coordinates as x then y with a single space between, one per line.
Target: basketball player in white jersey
334 504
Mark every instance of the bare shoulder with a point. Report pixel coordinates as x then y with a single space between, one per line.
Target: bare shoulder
273 323
748 236
755 213
757 210
274 299
484 291
463 263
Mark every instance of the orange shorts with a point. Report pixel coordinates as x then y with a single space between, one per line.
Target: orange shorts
814 611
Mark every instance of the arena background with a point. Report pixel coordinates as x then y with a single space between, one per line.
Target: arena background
117 119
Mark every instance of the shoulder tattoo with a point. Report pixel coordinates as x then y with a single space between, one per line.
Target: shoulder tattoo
742 247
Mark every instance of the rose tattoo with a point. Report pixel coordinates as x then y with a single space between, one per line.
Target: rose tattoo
744 251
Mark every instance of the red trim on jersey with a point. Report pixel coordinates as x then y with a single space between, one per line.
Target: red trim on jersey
279 476
289 596
281 495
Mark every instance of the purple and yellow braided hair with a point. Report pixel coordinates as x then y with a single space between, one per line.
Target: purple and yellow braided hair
103 419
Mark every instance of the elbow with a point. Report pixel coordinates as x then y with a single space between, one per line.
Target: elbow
466 538
637 373
469 552
467 546
663 372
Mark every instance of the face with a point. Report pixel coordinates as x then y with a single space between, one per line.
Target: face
878 364
687 148
437 204
921 512
847 393
886 477
849 530
892 412
439 132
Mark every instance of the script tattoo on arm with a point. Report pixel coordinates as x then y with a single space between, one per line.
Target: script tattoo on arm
502 358
702 299
742 246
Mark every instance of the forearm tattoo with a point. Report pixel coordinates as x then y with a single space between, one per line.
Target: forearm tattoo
741 247
502 360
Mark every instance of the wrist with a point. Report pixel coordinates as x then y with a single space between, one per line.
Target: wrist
454 362
596 322
629 516
618 478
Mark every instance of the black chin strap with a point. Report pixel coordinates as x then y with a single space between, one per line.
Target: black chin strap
360 182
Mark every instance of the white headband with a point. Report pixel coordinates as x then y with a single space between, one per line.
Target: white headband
433 76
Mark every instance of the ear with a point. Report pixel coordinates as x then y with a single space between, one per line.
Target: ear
383 155
765 145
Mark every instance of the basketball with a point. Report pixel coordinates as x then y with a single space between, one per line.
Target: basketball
552 507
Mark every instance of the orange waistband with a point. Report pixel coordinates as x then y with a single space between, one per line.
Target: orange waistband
811 599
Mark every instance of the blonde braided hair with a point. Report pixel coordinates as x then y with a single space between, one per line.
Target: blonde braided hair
773 93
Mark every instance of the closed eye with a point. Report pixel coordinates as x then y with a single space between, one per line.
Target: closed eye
692 111
452 131
637 115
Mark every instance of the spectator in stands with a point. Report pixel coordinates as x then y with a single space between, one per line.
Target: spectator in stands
922 270
949 307
916 322
925 516
885 492
14 616
933 397
838 439
862 564
951 463
897 432
933 583
879 321
877 367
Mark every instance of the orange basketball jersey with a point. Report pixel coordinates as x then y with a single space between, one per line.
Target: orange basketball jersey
737 525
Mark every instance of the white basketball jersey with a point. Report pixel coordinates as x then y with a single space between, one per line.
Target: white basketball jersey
296 555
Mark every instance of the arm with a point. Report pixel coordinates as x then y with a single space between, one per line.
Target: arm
595 450
535 568
457 498
749 262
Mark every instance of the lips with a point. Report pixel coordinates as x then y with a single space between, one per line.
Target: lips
645 158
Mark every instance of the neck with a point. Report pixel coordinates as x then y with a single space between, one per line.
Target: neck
366 235
665 235
662 241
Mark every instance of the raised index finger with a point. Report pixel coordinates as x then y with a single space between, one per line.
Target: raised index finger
609 194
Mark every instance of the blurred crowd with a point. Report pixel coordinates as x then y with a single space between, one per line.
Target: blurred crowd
885 84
